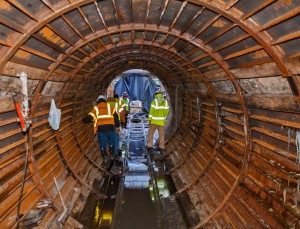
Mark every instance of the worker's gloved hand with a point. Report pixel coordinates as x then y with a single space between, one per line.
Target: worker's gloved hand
118 130
86 120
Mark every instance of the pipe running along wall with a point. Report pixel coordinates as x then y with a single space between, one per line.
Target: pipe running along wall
232 65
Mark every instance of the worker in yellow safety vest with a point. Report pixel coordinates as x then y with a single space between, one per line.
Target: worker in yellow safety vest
105 121
124 101
158 113
115 102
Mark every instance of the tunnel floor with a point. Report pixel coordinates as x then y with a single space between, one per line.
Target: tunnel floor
137 209
137 192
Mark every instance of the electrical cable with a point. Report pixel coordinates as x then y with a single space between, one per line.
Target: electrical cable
22 187
298 146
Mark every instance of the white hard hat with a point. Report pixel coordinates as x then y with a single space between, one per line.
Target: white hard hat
159 91
101 97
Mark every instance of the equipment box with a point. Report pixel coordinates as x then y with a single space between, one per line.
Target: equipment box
135 106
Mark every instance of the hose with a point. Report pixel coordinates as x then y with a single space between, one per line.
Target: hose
22 187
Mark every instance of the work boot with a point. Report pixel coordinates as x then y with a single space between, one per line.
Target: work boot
120 153
149 148
104 156
118 159
123 125
112 151
157 157
106 161
161 150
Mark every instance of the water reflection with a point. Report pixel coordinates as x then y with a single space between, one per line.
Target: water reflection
162 187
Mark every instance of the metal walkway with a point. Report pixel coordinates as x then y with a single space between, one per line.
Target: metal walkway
136 206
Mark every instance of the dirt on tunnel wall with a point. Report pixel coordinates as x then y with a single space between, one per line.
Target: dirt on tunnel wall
231 68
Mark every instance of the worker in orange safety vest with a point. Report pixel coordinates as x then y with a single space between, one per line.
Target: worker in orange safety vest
105 121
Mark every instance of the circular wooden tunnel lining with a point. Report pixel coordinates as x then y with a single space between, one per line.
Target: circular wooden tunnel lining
234 146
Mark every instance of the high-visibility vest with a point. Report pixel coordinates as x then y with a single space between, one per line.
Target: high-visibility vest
158 112
102 114
120 103
125 103
115 103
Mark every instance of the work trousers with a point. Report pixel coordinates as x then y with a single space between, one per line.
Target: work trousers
161 134
106 137
123 116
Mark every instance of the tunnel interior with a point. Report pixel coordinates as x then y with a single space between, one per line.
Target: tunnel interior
231 68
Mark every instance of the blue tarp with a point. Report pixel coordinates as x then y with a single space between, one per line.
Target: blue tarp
139 87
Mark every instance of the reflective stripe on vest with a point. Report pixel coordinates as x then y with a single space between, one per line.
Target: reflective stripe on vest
101 116
105 116
158 118
117 107
160 107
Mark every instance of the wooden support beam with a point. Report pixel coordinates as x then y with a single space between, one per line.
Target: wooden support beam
178 14
163 12
206 25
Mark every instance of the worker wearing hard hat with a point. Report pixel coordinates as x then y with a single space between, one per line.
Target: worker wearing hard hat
124 109
105 120
158 113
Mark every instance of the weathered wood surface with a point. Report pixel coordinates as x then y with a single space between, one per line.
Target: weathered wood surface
234 151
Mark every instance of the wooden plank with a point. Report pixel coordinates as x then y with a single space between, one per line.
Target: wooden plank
235 130
38 134
276 121
226 181
209 118
235 111
228 167
208 111
40 113
231 154
10 133
273 134
208 104
242 52
37 124
67 104
235 120
13 145
4 164
8 121
273 148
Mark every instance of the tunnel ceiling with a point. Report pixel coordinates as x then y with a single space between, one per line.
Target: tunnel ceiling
205 43
231 68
